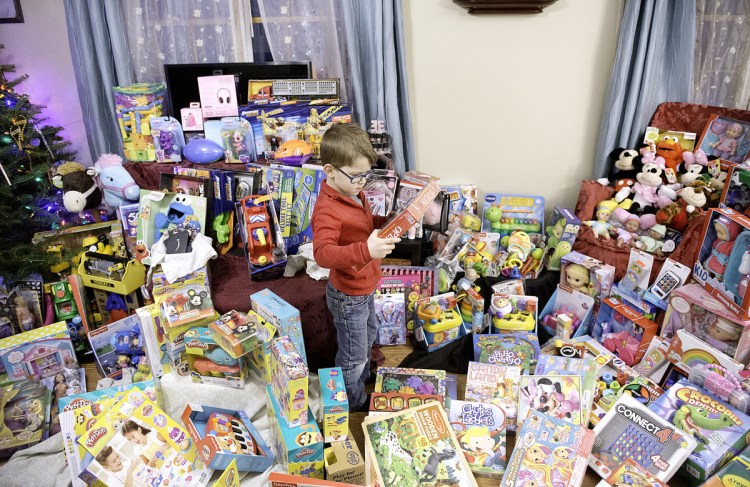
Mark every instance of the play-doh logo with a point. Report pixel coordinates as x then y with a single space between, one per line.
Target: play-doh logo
197 344
694 397
95 436
304 453
77 403
661 434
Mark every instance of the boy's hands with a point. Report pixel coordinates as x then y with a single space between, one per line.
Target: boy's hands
380 247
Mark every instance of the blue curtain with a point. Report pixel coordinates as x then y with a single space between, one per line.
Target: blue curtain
654 64
375 47
101 60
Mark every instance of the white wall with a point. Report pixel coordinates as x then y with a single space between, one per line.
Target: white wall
510 102
39 47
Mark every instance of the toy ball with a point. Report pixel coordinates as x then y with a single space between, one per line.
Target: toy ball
294 152
202 151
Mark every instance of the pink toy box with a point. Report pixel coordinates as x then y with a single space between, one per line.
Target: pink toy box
38 353
694 309
623 331
289 381
723 265
218 96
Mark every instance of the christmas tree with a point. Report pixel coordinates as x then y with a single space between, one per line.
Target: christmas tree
28 202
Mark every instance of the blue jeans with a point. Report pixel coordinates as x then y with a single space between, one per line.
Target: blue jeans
356 330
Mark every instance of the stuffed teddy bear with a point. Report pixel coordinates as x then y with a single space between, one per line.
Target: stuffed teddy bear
680 213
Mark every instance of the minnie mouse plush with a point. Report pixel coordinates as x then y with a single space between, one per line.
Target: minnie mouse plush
649 192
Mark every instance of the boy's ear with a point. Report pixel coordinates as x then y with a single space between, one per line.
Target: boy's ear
328 169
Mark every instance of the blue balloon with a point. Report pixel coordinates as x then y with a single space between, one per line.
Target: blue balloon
202 151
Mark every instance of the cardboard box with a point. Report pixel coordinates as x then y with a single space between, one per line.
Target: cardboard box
562 230
282 315
38 353
211 364
218 96
412 214
117 346
600 275
299 449
259 357
623 330
279 479
192 117
209 430
289 381
239 333
344 462
335 404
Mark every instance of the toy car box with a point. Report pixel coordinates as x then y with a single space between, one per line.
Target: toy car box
736 194
562 230
723 265
567 301
720 430
289 381
239 333
211 364
223 435
335 404
344 462
298 449
623 331
117 346
438 322
282 315
38 353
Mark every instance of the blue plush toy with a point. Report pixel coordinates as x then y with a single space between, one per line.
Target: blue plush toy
179 211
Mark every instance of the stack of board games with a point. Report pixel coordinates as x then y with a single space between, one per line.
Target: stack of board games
548 452
494 384
556 395
480 430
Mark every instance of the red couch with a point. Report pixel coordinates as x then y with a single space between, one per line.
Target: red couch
686 117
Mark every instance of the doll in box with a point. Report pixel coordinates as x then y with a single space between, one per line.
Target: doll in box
726 234
724 336
577 277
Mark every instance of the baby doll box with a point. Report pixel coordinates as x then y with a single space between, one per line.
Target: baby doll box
239 333
597 282
224 435
438 322
570 302
38 353
720 430
693 309
335 404
623 331
723 265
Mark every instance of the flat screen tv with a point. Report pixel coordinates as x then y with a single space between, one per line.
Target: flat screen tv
182 79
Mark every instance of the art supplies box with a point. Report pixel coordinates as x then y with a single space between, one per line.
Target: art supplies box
289 381
344 462
335 404
283 315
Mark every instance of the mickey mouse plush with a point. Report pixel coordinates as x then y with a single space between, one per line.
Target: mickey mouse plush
623 170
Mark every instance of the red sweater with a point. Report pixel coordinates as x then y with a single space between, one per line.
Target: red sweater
340 231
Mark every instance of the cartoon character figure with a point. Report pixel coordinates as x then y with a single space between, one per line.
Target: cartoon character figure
180 210
484 447
165 143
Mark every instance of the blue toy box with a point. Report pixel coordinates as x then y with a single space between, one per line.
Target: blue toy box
299 449
568 301
438 322
38 353
221 435
211 364
335 404
117 346
307 180
282 315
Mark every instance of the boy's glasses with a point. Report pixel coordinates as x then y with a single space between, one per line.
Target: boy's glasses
359 178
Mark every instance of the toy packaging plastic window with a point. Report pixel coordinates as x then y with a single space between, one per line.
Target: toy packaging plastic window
494 384
585 368
509 313
480 430
236 136
726 138
504 213
188 304
168 139
390 312
623 331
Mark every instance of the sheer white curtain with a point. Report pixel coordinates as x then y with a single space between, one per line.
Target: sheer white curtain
186 31
722 53
307 30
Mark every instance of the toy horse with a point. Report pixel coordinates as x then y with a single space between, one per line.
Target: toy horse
115 181
80 192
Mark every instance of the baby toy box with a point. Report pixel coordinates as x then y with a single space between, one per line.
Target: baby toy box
574 304
720 430
335 404
289 381
298 449
211 364
117 346
562 231
223 435
623 331
38 353
344 462
438 322
282 315
723 266
587 275
239 333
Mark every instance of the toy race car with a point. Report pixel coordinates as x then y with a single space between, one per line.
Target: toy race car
260 241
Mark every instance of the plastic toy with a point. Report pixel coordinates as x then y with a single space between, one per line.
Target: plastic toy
515 212
601 225
294 152
239 333
438 321
116 183
623 331
736 193
727 144
168 139
135 106
209 363
577 277
289 381
111 273
117 346
722 383
202 151
262 249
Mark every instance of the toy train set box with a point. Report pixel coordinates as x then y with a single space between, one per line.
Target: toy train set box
38 353
223 435
720 430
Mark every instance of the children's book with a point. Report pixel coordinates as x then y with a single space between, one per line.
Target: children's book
720 430
494 384
416 446
480 430
136 442
585 367
514 349
549 452
410 381
630 430
556 395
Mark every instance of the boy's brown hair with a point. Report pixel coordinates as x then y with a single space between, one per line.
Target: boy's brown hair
345 142
102 456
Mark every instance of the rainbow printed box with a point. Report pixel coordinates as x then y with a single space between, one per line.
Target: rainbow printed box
289 380
283 315
38 353
299 449
335 404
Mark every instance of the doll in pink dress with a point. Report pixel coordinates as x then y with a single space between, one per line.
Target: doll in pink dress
726 233
726 146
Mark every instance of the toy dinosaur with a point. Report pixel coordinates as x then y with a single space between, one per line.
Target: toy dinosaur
692 420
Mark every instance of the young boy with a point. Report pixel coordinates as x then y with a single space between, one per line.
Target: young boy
345 241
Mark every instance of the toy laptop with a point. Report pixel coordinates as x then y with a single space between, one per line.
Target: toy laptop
335 404
38 353
514 349
438 322
550 452
719 429
222 436
630 430
480 430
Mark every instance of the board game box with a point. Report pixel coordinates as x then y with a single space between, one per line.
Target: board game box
410 381
558 396
548 452
494 384
480 430
514 349
630 430
585 367
719 429
416 446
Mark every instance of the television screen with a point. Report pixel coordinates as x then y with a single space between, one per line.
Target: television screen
182 79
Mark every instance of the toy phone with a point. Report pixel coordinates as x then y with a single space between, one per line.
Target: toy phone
665 285
670 175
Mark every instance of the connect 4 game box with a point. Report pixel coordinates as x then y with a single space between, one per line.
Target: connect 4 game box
630 430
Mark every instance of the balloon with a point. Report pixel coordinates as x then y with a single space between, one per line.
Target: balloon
202 151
